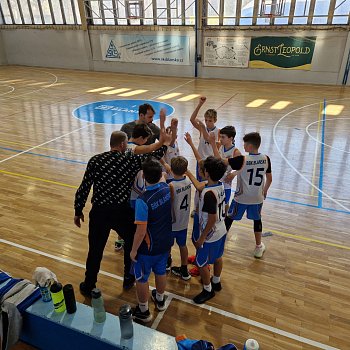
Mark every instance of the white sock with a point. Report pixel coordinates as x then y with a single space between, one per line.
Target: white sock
208 287
259 245
216 279
143 306
160 297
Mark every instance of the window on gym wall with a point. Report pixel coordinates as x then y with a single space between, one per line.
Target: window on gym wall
39 12
140 12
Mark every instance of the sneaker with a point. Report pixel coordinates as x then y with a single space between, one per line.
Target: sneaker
141 316
160 304
191 259
183 273
203 296
85 289
168 263
128 282
119 244
259 251
215 286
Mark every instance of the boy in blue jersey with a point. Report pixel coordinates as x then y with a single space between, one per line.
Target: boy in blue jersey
153 239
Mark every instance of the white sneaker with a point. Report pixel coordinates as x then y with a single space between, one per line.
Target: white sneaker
259 251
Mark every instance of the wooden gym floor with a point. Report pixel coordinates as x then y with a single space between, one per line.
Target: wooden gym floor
296 297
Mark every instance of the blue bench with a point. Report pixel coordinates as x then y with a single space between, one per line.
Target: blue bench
45 329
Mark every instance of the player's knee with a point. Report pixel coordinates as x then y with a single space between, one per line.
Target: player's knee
257 226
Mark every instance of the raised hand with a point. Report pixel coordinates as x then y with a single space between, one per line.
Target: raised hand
188 138
212 138
202 100
162 116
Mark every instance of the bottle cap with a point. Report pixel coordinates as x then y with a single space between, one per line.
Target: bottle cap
67 288
95 293
125 311
55 287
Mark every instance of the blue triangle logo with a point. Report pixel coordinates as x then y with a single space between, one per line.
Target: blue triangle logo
112 51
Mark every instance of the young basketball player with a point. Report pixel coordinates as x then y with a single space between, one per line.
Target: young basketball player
254 178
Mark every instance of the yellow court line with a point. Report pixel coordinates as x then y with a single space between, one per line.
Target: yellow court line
38 179
45 148
316 150
302 238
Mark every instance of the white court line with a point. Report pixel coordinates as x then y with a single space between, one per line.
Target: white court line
8 92
188 301
73 131
34 91
161 314
292 166
322 143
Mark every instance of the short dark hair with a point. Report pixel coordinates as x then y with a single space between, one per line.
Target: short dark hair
152 170
117 138
215 167
141 130
253 138
179 165
229 131
145 107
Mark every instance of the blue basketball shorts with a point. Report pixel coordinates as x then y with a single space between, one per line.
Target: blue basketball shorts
180 237
147 263
209 252
237 210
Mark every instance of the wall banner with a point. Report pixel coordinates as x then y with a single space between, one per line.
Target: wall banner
137 48
226 51
282 52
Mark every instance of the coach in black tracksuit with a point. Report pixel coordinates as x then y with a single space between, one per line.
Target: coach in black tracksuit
111 174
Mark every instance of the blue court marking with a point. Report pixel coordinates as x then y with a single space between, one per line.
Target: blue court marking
308 205
270 198
320 181
117 111
44 155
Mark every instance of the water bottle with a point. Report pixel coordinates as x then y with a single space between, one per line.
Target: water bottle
57 297
251 344
97 304
69 298
125 320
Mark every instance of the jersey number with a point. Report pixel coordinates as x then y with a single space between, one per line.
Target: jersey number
184 203
258 176
221 210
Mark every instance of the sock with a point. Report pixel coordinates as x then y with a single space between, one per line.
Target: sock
259 245
207 288
184 268
143 306
216 279
160 297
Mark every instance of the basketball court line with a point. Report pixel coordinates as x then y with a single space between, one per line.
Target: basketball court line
320 179
188 301
291 165
307 130
8 92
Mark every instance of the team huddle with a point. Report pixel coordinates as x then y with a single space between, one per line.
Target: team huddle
160 201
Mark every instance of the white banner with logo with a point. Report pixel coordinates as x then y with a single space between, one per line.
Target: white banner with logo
140 48
226 51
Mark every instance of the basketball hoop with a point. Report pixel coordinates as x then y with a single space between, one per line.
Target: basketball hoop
134 9
271 8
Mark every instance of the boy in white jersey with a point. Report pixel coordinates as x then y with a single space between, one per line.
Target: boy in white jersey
210 118
211 242
253 181
228 150
173 148
180 187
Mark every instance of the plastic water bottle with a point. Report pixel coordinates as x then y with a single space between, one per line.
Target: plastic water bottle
98 306
69 298
125 320
251 344
57 297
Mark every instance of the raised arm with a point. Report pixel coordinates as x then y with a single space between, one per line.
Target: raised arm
198 185
195 112
212 141
188 139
